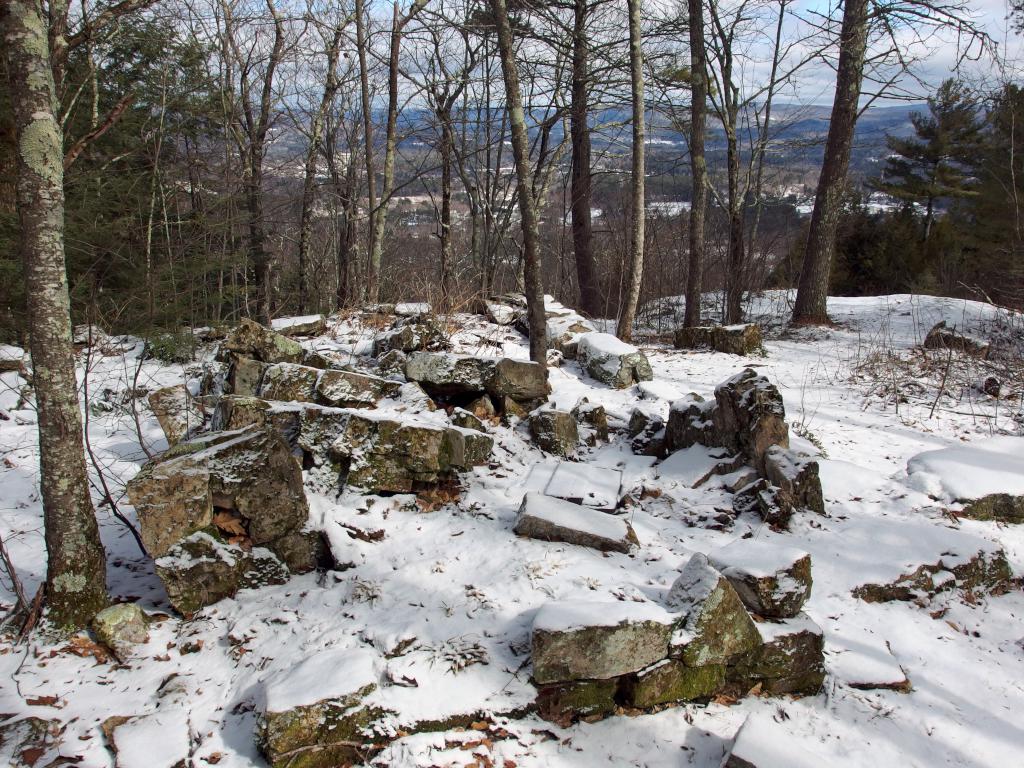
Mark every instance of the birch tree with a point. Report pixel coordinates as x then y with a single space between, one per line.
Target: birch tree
76 566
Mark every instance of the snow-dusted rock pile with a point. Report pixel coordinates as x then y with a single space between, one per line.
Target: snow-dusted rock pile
591 657
603 356
747 419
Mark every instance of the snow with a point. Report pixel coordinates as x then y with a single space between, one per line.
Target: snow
961 472
602 345
168 728
284 323
691 466
574 517
567 616
329 674
758 559
758 743
455 587
597 487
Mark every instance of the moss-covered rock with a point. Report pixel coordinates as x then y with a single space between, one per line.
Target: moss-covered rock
121 627
985 572
790 661
750 416
670 681
1001 507
731 339
563 703
717 628
299 730
579 640
202 569
245 375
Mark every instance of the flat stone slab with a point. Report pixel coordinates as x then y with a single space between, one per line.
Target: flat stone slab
692 467
586 484
612 361
763 743
583 640
550 519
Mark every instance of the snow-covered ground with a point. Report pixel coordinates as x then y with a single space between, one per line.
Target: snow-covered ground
443 603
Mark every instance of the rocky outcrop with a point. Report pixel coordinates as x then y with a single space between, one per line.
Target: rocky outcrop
748 418
308 325
386 454
731 339
444 375
515 386
236 490
177 412
550 519
1001 507
347 389
202 569
611 361
410 335
789 661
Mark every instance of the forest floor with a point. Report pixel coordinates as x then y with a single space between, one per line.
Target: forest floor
445 594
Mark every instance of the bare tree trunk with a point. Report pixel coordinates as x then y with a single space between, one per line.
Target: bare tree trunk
76 564
367 109
447 147
533 288
390 147
636 263
812 295
698 163
737 253
582 187
312 152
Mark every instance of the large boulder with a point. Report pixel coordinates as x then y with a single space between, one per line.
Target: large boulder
289 382
248 474
580 640
447 374
771 580
611 361
549 519
521 380
177 412
555 432
250 339
202 569
732 339
313 713
346 389
717 628
750 416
